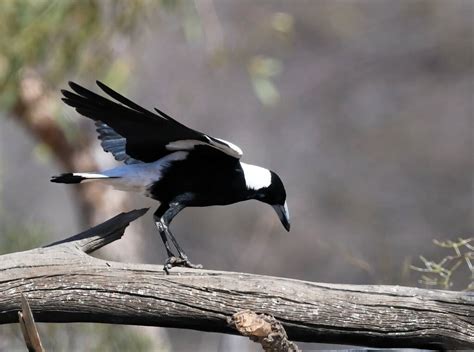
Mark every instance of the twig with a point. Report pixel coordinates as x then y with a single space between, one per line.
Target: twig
441 273
28 327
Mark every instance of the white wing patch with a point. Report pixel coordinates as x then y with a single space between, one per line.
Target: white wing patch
256 177
226 147
217 143
185 144
139 177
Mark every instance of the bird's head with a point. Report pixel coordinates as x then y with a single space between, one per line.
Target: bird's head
266 186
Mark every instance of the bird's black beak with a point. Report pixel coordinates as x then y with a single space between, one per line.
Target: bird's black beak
283 214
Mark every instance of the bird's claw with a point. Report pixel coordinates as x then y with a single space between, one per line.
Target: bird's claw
184 262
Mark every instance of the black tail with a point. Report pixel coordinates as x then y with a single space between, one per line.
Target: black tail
67 178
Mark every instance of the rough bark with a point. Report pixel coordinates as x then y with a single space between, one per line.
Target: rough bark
64 284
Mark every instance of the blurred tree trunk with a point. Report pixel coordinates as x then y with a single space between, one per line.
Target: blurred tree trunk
33 109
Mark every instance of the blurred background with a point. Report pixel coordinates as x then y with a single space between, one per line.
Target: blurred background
364 108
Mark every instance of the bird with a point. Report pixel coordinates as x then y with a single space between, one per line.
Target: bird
169 162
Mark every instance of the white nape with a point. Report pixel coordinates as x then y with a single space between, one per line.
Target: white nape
256 177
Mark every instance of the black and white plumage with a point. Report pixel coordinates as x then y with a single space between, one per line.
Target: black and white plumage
169 162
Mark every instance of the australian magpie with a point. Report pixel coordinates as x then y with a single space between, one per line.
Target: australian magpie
169 162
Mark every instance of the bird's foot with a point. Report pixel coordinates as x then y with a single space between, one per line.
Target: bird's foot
184 262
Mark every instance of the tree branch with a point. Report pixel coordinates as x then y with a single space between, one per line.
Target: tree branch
64 284
28 327
103 234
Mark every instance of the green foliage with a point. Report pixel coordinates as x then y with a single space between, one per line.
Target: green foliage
55 38
262 70
440 273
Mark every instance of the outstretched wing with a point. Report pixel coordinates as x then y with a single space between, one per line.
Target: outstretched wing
114 143
133 134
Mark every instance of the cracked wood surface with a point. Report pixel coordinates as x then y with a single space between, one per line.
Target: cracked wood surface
64 284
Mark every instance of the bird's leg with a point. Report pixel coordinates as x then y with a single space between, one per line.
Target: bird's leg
161 229
183 258
161 226
163 217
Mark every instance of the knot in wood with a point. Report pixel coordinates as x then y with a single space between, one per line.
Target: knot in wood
263 329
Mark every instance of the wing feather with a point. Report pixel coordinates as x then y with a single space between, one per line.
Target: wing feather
114 143
133 134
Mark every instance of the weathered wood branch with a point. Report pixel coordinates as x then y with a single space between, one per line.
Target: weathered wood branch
64 284
28 327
